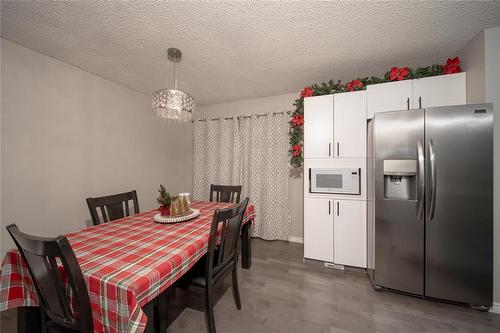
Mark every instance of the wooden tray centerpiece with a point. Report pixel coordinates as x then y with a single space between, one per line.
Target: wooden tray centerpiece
173 208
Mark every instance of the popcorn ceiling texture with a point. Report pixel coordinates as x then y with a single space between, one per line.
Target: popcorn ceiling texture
235 51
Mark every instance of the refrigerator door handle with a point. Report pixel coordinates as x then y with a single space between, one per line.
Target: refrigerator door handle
432 160
420 180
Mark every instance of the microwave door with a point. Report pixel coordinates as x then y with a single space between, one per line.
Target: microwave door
329 182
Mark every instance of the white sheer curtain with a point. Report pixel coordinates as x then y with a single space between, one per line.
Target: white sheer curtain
217 155
249 151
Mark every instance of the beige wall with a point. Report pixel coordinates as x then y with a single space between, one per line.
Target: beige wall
472 56
481 61
67 134
492 95
266 105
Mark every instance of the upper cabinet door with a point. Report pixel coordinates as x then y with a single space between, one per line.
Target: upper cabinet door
318 126
439 90
390 96
350 233
349 124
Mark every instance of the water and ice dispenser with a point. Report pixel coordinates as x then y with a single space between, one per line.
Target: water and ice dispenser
400 179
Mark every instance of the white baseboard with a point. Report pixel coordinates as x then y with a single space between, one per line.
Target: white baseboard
495 308
295 239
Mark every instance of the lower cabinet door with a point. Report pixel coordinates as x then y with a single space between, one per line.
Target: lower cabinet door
318 229
350 233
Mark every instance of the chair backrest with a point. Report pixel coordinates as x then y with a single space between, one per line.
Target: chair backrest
41 256
225 193
228 222
112 207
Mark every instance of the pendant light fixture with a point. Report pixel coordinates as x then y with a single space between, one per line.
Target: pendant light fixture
173 105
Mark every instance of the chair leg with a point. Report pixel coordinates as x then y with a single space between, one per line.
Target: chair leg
156 314
44 320
236 290
209 309
246 246
164 309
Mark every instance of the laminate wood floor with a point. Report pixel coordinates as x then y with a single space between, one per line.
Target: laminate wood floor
280 293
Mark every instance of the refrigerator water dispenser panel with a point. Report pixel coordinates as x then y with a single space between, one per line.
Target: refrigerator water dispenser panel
400 179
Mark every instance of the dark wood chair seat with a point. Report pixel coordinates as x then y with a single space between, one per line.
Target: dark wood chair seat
225 193
197 274
53 328
112 207
41 255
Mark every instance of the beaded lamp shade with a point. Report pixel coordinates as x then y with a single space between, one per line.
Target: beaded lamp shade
173 105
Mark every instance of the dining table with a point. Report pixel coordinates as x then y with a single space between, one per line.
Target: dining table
127 264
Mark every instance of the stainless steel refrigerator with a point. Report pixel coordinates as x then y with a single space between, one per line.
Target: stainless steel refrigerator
433 177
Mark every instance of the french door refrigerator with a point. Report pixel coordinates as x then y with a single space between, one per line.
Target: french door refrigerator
433 175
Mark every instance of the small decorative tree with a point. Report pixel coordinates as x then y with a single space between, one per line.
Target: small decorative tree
164 199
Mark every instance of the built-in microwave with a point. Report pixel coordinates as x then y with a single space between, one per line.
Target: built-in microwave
335 180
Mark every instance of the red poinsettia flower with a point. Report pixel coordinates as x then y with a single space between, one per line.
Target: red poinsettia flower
354 85
393 74
398 74
297 149
298 120
403 73
306 92
452 66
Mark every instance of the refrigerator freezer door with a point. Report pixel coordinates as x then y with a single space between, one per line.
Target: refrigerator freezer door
459 203
399 229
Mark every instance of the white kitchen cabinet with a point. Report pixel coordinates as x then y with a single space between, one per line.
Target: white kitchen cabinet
350 233
428 92
335 231
439 90
390 96
349 124
318 126
318 229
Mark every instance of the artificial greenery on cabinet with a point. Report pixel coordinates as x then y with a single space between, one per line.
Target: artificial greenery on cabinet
333 87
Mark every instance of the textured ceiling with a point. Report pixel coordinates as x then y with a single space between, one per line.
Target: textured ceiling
246 49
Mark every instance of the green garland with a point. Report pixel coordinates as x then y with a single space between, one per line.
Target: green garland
332 87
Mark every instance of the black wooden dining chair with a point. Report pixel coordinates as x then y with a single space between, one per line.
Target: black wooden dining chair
40 255
221 258
225 193
112 207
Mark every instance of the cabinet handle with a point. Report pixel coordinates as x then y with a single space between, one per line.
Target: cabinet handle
329 207
329 149
338 209
420 102
338 148
408 103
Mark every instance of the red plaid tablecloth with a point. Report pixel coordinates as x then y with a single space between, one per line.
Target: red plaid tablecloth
126 264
